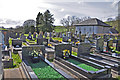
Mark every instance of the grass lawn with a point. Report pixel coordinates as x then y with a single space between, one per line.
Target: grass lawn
60 29
118 78
2 29
82 65
44 71
16 60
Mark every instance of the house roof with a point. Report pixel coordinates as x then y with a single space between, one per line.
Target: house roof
114 31
93 22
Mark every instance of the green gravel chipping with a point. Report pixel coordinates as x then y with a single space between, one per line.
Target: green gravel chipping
45 72
82 65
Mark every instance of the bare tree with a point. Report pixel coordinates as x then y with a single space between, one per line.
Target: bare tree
70 20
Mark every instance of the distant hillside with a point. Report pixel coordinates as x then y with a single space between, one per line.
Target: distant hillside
115 24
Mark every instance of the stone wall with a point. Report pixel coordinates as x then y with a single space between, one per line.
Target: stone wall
60 47
27 50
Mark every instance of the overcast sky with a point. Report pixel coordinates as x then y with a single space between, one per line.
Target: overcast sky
15 12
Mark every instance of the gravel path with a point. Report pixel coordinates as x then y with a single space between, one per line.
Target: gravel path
12 74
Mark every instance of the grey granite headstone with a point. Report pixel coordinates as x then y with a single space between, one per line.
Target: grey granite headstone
99 44
45 34
60 47
27 50
40 39
84 49
60 34
17 43
34 35
18 35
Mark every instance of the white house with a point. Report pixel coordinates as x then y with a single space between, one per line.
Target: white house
91 26
29 23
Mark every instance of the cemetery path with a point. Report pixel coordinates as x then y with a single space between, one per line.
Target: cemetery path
12 74
65 70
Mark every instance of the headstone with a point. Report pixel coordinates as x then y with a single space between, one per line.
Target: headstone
110 43
84 49
60 47
34 35
105 46
17 43
6 38
2 40
45 35
115 43
27 50
69 35
18 35
40 39
50 34
60 34
1 37
80 37
23 38
118 45
1 66
65 39
29 37
99 44
118 37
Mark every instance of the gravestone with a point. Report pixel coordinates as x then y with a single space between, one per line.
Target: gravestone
1 66
34 35
6 38
105 46
17 43
118 45
115 43
84 49
29 37
60 34
118 37
80 37
69 35
99 44
18 35
40 39
60 47
56 34
23 38
2 40
50 34
110 43
112 36
45 35
27 50
65 39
